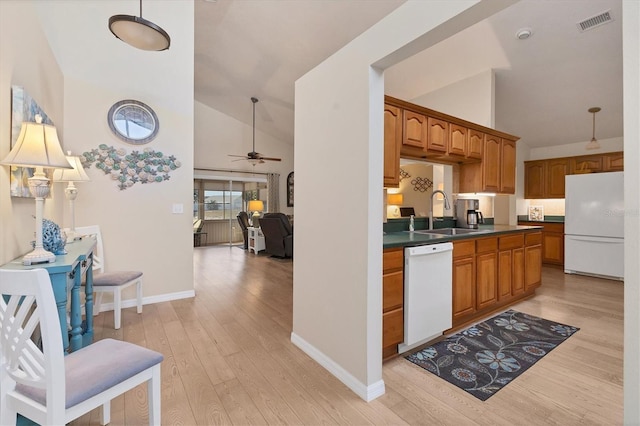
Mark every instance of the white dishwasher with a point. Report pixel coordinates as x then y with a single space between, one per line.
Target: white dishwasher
427 293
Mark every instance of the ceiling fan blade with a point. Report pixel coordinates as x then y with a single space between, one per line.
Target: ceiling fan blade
241 156
271 159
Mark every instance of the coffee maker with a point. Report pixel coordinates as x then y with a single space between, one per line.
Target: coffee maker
467 213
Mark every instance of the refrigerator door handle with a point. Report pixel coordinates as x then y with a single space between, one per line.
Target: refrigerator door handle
598 239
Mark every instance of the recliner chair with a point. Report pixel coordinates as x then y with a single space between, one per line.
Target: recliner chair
243 220
278 234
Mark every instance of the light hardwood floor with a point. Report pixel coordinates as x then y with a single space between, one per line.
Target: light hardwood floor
229 359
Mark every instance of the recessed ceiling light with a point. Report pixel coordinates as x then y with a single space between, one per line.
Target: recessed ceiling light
524 33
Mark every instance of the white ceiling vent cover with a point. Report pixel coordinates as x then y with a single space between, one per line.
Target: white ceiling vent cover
595 21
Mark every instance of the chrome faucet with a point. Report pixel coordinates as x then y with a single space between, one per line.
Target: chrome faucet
447 206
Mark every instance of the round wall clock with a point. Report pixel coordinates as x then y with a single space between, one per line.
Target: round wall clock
133 121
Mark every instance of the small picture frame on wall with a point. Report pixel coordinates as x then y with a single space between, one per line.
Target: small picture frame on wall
290 190
536 213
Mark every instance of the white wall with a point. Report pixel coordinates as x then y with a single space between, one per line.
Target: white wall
139 230
217 135
573 149
631 82
337 316
39 73
472 99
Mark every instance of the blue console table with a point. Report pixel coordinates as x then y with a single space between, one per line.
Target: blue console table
66 278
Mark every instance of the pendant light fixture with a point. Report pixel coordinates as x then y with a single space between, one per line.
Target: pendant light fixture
593 144
138 32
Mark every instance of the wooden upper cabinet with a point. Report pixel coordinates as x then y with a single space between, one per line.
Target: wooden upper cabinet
586 164
475 145
545 178
458 140
508 167
437 135
557 169
415 130
614 162
491 164
392 144
534 179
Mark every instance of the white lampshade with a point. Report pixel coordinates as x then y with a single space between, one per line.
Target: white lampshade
77 174
37 146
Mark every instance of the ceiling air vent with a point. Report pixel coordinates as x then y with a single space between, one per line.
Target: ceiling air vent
595 21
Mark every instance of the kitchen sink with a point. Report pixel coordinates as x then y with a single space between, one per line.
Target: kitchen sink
449 231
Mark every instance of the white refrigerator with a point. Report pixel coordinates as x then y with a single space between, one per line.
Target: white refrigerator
594 225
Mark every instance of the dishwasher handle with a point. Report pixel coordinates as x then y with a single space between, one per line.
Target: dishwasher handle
428 249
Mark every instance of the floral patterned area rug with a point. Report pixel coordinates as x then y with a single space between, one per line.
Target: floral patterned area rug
486 357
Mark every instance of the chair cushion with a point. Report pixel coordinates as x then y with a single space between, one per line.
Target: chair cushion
98 367
115 278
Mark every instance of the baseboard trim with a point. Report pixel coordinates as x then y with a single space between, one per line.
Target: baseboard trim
368 393
129 303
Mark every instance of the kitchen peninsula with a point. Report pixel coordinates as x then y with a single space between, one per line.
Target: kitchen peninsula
493 267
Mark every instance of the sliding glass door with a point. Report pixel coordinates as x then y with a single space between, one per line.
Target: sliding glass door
218 201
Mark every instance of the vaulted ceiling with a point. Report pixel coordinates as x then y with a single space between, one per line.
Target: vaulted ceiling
544 85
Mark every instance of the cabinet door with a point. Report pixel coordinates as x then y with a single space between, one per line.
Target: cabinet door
614 162
486 279
437 135
458 139
464 287
475 146
557 169
392 144
532 267
508 167
491 164
553 244
517 283
505 274
534 173
586 164
415 130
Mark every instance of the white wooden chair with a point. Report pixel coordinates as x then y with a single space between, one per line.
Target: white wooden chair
110 282
44 385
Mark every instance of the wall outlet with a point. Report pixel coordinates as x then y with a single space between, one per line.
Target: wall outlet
177 208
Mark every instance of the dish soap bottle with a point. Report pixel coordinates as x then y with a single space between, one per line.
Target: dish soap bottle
411 227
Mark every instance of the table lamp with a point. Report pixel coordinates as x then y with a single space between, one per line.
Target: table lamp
256 206
38 146
77 174
395 199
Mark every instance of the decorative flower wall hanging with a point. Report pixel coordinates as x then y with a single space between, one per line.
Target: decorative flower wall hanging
147 166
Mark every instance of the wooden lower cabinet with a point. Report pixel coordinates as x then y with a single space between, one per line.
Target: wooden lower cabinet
510 266
392 300
533 261
486 272
464 278
491 273
552 242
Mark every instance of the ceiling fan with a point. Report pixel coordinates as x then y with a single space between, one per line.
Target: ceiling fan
254 157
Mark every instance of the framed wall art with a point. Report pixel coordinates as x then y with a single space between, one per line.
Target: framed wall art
23 108
536 213
290 190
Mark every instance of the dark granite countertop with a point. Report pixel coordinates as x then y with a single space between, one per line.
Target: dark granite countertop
547 219
418 238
